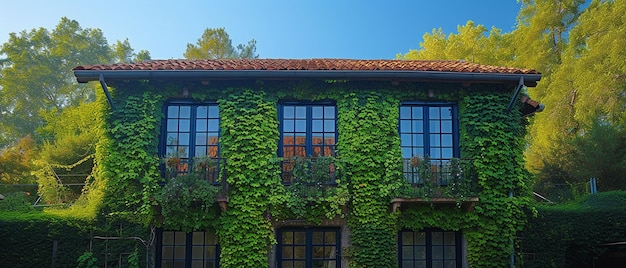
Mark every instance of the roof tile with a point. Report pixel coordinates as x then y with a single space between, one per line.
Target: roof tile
310 64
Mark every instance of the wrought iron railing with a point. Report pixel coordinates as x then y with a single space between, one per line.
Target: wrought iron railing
211 169
309 176
438 178
309 170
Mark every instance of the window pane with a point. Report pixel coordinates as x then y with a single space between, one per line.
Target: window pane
437 252
288 112
406 152
287 238
172 125
405 112
288 126
420 252
420 238
201 125
405 126
318 112
434 127
214 111
317 125
407 238
183 139
449 252
435 140
446 140
214 125
446 153
299 252
300 125
300 112
433 113
405 139
287 252
418 126
201 139
318 238
329 112
418 140
329 125
172 112
185 112
201 112
417 113
407 252
183 125
437 238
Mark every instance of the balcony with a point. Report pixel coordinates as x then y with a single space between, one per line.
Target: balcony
311 176
438 182
211 169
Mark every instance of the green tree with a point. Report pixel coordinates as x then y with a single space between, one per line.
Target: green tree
587 86
16 162
36 74
472 43
216 44
124 53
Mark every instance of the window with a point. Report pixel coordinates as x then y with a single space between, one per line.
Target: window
308 247
191 130
176 249
429 249
307 131
427 130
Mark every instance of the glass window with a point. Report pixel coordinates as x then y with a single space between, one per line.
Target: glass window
427 130
308 247
307 130
191 130
429 249
179 249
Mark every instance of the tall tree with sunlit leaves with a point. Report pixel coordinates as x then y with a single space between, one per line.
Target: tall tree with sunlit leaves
216 44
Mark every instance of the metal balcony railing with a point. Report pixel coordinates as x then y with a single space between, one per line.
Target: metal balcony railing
309 170
438 177
211 169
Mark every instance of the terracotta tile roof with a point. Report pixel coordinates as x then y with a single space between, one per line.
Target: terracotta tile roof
308 65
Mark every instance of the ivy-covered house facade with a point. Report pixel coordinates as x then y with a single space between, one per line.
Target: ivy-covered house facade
317 163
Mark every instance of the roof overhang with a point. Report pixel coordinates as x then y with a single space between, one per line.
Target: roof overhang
84 76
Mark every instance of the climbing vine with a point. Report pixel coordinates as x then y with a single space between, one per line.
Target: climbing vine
249 142
368 159
370 145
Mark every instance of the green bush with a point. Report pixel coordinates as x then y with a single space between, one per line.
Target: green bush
571 235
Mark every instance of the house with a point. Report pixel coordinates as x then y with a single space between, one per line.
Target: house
319 162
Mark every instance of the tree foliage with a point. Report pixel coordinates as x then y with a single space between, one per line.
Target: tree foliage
16 162
215 43
36 79
579 49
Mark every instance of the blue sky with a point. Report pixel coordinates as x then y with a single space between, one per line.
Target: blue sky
366 29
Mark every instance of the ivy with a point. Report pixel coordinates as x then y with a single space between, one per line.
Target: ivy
370 145
369 161
249 141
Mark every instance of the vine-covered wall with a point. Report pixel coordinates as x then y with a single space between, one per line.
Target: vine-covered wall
370 161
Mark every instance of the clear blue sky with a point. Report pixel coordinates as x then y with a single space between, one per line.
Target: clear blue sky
365 29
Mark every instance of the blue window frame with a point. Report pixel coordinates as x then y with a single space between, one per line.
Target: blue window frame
190 130
187 250
429 249
307 129
428 129
308 247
